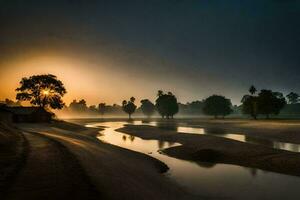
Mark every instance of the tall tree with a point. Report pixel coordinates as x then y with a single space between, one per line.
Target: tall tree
93 109
293 98
166 104
250 103
270 102
217 105
129 106
102 108
79 107
252 90
148 108
42 90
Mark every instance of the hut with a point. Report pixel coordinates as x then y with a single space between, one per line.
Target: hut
21 114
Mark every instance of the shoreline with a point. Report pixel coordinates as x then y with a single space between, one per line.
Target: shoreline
121 173
116 172
208 148
284 130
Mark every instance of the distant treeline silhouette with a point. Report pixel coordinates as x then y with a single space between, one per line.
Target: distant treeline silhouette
47 91
266 103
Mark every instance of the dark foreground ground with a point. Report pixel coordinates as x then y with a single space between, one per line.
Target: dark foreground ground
208 148
66 161
63 160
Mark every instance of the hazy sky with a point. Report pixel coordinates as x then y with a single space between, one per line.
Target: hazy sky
111 50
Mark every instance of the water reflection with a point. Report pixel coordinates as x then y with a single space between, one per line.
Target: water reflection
181 129
222 133
206 164
131 137
209 179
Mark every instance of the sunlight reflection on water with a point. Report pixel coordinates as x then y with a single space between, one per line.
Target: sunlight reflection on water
207 179
222 133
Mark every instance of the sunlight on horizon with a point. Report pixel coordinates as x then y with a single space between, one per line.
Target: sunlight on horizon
79 78
95 81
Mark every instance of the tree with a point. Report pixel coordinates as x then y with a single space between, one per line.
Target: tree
102 108
270 102
92 109
129 106
191 108
11 103
42 90
79 107
196 107
250 103
166 104
217 105
293 98
252 90
148 108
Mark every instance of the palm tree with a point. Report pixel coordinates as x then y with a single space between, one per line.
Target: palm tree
252 90
129 107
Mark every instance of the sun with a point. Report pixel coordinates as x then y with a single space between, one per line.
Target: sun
46 92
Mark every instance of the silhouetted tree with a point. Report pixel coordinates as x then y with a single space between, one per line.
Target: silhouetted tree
217 105
250 103
102 108
191 108
147 107
293 98
270 102
11 103
93 109
166 104
79 106
42 90
252 90
196 107
160 93
129 106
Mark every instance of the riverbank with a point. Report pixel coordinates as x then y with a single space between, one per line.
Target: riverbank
285 130
110 171
72 155
221 150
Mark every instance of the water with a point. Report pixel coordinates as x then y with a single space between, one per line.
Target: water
207 179
221 133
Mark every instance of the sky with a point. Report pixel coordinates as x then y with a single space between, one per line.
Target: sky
108 51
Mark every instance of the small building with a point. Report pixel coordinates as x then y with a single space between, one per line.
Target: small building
21 114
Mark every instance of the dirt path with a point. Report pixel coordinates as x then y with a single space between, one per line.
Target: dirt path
13 153
116 172
51 172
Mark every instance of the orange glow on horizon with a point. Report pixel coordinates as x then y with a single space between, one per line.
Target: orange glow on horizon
94 82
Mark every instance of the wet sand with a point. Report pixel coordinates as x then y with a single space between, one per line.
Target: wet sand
282 130
77 161
221 150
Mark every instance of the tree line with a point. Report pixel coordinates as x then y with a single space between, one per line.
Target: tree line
47 91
